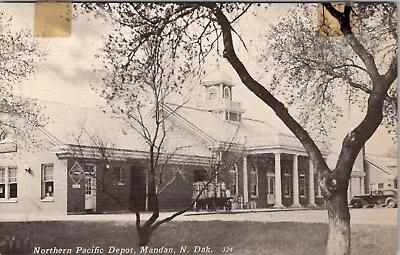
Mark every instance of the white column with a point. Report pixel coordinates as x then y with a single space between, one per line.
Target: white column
278 183
296 202
311 193
6 183
245 183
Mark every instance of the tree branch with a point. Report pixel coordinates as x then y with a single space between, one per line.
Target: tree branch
262 93
391 75
358 48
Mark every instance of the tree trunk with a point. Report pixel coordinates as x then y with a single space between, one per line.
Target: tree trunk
144 235
339 224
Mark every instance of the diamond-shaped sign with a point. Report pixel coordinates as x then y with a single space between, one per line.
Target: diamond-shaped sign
76 172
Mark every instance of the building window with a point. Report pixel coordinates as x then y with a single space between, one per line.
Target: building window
119 171
233 116
212 93
395 184
286 181
90 169
12 181
253 181
8 183
233 180
227 93
271 185
380 185
2 182
302 183
199 175
47 181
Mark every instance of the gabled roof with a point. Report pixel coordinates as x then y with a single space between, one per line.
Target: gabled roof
83 126
75 125
248 132
385 164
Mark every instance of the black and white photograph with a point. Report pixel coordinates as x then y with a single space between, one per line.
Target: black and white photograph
198 128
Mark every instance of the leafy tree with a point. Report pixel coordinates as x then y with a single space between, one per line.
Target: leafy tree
18 57
322 67
199 28
334 182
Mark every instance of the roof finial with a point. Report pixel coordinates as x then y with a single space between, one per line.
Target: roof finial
217 64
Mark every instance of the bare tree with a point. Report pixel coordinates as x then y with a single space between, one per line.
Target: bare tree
90 147
201 27
137 88
133 89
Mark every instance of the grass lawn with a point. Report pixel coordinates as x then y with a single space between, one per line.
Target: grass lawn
239 238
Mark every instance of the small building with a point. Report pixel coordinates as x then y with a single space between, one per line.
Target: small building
90 161
381 172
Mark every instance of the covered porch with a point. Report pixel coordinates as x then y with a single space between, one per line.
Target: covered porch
279 178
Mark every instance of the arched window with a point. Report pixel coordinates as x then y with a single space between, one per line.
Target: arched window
233 180
227 93
253 181
212 93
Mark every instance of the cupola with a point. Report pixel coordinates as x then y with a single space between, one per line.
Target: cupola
218 88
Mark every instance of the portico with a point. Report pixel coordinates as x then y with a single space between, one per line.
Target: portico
284 179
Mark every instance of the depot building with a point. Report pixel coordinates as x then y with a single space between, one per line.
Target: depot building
89 161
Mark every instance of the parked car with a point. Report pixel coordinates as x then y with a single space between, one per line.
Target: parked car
387 198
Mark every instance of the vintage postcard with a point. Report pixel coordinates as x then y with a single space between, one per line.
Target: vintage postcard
198 128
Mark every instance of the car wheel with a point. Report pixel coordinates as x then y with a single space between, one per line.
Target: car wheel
357 204
390 203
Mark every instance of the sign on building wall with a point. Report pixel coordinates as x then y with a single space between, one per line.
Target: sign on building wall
8 147
76 173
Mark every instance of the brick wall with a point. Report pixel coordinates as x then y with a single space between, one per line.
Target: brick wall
178 195
111 195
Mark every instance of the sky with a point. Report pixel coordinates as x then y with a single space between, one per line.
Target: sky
67 73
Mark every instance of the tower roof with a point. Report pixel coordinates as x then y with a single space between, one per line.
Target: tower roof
218 72
217 77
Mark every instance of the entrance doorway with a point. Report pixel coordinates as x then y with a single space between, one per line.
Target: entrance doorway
271 189
137 198
90 188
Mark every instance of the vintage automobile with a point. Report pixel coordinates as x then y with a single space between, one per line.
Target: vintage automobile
387 198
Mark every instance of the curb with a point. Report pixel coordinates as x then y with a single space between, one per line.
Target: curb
239 211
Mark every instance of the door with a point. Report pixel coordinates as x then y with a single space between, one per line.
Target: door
90 190
137 198
271 190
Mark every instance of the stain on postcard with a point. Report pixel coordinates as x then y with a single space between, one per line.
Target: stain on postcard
52 19
327 25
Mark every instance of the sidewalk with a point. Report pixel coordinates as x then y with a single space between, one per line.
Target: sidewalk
129 217
375 216
236 211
